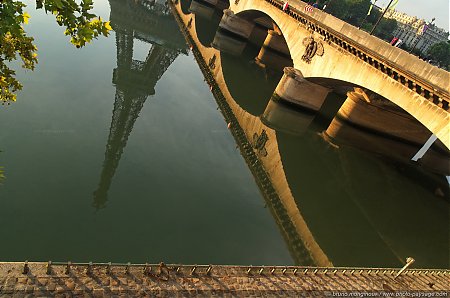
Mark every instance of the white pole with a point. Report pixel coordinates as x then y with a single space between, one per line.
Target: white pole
424 148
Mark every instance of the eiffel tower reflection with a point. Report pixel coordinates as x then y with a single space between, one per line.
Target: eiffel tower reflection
135 80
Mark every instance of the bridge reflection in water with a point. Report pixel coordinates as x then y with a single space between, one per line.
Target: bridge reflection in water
334 203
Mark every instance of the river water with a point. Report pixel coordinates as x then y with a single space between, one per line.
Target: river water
119 152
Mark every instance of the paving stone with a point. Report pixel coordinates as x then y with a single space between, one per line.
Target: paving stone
51 286
78 292
42 281
70 284
98 292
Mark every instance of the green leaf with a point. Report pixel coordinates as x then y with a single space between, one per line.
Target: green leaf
80 25
58 4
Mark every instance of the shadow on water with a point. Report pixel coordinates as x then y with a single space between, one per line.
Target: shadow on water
207 19
134 80
363 198
250 85
206 24
368 209
374 124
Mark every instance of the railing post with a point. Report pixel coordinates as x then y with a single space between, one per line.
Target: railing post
409 261
49 268
67 270
89 269
26 269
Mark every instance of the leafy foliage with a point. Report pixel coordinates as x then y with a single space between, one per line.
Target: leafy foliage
81 25
351 11
338 8
440 52
13 42
385 29
355 13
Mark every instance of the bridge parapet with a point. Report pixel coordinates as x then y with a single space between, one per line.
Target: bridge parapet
423 78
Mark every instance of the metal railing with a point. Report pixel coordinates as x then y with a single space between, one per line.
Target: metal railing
163 268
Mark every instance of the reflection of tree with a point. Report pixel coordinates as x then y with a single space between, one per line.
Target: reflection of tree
135 81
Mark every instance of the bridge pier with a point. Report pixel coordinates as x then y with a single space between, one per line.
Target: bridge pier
235 24
258 35
228 44
273 60
254 33
382 116
294 88
219 4
274 52
379 126
276 42
202 10
281 117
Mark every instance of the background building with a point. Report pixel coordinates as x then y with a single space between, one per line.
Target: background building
410 31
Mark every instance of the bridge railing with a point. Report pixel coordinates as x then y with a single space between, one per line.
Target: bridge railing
183 269
436 94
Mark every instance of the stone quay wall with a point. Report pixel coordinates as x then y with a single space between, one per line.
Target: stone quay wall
39 279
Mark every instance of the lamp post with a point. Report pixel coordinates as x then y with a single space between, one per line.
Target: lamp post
425 28
379 19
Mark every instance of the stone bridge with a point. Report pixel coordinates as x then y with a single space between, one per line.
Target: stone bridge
329 51
246 120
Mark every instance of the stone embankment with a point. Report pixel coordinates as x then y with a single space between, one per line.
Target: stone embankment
105 280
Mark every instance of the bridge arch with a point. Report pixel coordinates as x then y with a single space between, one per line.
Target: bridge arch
253 71
360 63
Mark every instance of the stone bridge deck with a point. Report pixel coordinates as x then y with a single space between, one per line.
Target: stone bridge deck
350 56
87 279
417 75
